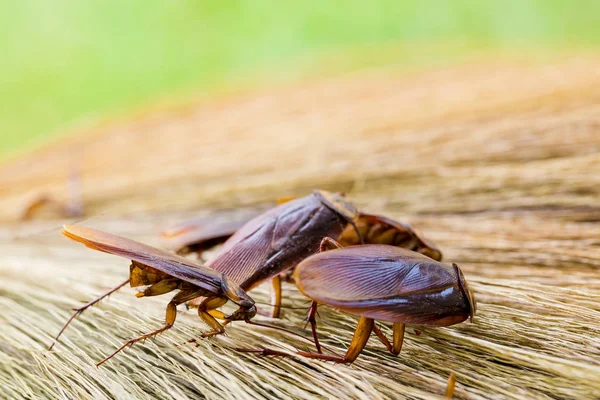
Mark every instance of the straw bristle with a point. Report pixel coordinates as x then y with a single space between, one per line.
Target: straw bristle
497 163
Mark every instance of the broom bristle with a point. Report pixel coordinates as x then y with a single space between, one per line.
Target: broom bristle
498 163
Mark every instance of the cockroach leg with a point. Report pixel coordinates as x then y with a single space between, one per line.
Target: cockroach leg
312 320
382 338
169 321
171 314
161 287
84 307
396 345
450 386
208 313
276 296
398 337
359 341
328 244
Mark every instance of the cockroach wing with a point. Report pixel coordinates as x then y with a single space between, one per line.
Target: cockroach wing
290 222
248 252
368 271
384 282
281 221
275 241
206 231
163 261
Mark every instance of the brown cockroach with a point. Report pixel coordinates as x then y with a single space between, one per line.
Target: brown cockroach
163 272
280 238
382 282
262 249
275 241
198 234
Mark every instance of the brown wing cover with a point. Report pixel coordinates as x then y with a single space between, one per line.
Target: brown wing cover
384 282
163 261
243 255
249 253
204 232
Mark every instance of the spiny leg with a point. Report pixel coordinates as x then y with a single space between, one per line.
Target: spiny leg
171 314
312 320
328 244
398 337
207 312
398 331
169 321
276 296
161 287
382 338
84 307
359 341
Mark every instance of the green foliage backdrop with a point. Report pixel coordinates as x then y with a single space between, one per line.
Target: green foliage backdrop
66 61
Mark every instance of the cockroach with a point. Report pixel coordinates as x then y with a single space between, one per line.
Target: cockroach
382 282
163 272
280 238
262 249
196 235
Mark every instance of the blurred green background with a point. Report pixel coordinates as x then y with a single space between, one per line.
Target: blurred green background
64 62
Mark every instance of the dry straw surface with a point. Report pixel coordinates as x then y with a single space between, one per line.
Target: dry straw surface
498 162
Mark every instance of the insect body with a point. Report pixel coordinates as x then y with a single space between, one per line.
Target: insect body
277 240
164 272
381 282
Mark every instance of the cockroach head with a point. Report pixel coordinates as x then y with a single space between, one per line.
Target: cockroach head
464 286
338 203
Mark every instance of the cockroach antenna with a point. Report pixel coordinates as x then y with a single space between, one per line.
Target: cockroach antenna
360 236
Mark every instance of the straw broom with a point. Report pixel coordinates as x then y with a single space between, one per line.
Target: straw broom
496 161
